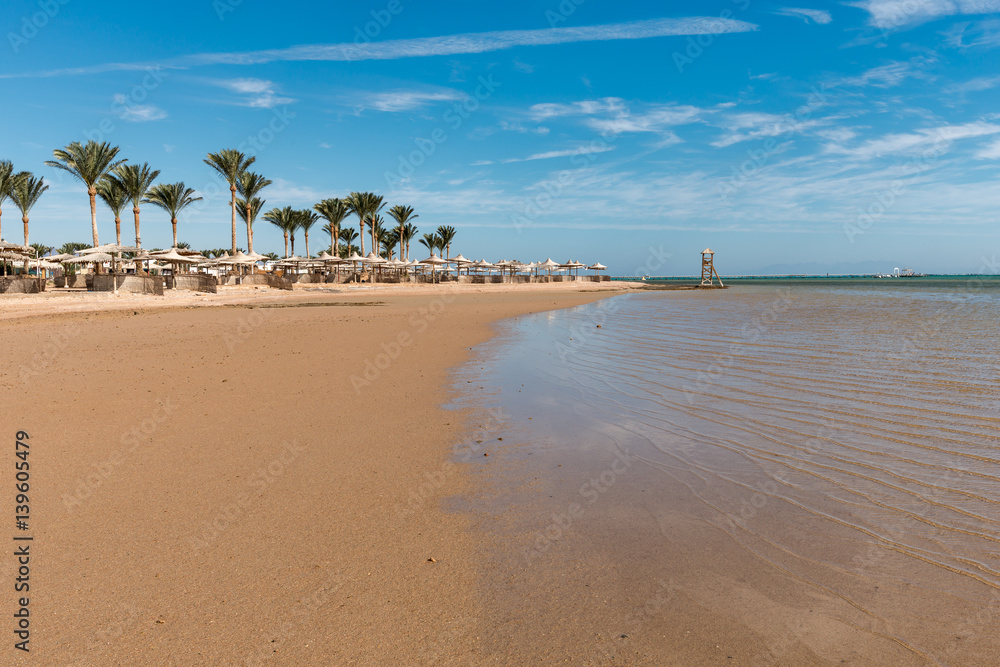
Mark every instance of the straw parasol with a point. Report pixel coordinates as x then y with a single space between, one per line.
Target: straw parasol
597 267
548 265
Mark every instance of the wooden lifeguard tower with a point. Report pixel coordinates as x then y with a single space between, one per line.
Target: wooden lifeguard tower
708 269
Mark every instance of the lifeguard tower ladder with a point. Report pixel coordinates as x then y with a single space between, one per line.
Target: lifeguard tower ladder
708 269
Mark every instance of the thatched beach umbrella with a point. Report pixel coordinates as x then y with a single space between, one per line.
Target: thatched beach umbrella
597 267
548 265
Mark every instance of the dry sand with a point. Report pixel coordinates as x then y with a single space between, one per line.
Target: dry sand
226 485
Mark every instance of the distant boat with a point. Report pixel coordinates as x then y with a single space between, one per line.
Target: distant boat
901 273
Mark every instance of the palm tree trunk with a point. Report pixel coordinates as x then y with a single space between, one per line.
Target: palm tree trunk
135 212
118 229
25 221
93 213
307 245
232 191
249 233
173 222
92 191
361 236
286 245
1 226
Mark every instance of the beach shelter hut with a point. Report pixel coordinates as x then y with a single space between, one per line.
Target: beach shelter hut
597 267
548 265
433 261
174 258
572 265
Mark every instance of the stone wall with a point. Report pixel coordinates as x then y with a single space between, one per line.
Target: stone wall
196 282
18 285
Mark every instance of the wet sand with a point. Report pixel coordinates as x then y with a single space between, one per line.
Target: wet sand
755 477
234 485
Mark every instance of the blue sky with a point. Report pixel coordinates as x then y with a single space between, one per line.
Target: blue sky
798 137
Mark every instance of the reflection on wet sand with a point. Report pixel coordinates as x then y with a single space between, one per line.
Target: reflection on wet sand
819 478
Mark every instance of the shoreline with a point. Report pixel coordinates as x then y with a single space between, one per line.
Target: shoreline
210 477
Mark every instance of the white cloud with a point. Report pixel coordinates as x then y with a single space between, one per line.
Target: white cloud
991 152
136 113
258 93
325 145
425 47
612 115
896 14
976 85
974 34
586 150
169 148
749 126
406 100
523 67
807 15
939 139
884 76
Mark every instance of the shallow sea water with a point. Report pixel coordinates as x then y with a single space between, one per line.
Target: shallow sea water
768 450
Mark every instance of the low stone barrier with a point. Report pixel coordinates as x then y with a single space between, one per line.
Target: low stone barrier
21 285
195 282
278 282
130 284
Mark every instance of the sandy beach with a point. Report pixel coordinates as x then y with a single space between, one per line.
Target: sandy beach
229 484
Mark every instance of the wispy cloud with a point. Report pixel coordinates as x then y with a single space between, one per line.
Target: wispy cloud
976 85
896 14
884 76
406 100
991 152
912 143
571 152
450 45
612 115
807 15
257 93
749 126
137 113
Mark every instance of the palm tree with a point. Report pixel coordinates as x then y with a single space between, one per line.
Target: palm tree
378 231
447 235
333 211
25 192
172 198
390 240
431 241
365 205
6 181
402 215
248 213
41 249
409 232
249 186
112 193
348 236
89 164
283 219
230 164
71 247
306 219
136 181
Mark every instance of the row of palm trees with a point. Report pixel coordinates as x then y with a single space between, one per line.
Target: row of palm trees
118 184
